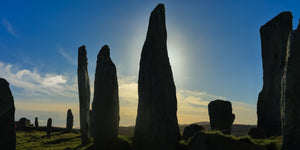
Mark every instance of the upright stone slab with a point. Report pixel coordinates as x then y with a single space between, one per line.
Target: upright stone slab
291 94
7 117
274 38
91 132
221 116
84 93
156 123
105 105
70 120
49 127
36 122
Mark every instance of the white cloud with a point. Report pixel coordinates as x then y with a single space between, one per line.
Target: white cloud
70 59
37 84
9 28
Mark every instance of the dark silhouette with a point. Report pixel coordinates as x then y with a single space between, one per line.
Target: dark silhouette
274 37
156 123
191 130
49 127
7 117
70 120
36 122
84 93
105 106
291 93
220 115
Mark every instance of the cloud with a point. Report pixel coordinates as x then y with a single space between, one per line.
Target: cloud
33 83
70 59
9 28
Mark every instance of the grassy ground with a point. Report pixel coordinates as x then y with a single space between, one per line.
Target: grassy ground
37 140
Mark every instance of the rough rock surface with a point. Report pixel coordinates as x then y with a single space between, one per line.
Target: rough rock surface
192 130
36 122
274 37
7 117
291 94
70 120
84 93
156 123
105 105
257 133
49 127
91 125
204 141
220 115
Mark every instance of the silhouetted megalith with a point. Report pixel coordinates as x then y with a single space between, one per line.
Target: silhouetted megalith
156 123
91 131
49 127
291 94
220 115
36 122
84 93
70 120
274 37
191 130
7 117
105 106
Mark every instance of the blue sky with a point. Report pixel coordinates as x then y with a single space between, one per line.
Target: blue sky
214 50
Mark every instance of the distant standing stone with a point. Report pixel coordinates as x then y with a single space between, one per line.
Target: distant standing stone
36 122
105 106
291 94
220 115
274 38
70 120
84 93
7 117
49 126
156 123
191 130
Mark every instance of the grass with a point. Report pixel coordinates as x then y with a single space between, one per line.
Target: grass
37 140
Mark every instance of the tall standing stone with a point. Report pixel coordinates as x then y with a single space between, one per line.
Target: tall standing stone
91 132
70 120
84 93
156 123
274 37
7 117
105 105
291 94
36 122
221 116
49 127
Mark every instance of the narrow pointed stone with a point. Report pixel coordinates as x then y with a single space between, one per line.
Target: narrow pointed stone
70 120
105 106
156 123
7 117
36 122
274 37
291 94
84 93
49 127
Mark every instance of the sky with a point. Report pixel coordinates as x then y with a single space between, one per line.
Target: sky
214 50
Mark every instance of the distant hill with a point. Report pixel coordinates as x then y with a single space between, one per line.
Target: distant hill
237 129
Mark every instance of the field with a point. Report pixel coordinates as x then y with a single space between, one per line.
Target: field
37 140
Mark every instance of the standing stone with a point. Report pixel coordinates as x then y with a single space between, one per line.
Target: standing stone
291 94
84 93
191 130
105 105
49 127
70 120
91 131
274 38
156 123
7 117
36 122
221 116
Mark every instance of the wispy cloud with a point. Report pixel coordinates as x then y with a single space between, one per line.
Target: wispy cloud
37 84
67 56
9 28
